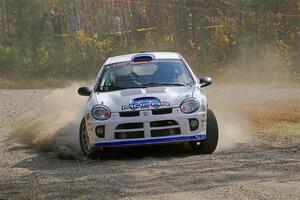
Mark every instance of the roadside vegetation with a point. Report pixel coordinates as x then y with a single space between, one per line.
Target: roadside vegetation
49 43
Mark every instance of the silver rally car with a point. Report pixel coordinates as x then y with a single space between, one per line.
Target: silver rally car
147 98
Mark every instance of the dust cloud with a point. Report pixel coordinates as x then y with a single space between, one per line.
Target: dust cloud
234 128
54 125
236 93
267 68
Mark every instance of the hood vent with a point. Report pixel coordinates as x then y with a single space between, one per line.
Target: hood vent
142 58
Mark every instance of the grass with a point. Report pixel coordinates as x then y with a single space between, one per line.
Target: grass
288 129
283 132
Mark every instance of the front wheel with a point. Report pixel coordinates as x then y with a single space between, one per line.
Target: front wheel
85 141
209 145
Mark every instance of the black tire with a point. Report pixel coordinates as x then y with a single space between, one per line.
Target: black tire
209 145
89 153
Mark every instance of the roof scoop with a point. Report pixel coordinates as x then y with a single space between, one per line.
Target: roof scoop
142 58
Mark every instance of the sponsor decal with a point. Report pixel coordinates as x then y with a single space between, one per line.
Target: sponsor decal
145 103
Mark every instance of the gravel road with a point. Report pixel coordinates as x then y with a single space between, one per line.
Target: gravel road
245 166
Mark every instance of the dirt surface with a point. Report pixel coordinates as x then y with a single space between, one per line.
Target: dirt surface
247 165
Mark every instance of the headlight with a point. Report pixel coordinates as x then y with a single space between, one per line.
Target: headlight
101 112
189 105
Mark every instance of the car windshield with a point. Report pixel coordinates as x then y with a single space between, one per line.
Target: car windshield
155 73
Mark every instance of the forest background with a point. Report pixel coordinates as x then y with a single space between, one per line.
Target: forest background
53 42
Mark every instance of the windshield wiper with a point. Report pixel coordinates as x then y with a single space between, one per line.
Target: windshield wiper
114 88
163 84
140 86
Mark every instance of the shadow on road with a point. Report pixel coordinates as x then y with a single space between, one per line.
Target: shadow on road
156 170
159 152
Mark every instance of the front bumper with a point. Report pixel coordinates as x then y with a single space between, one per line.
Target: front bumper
151 141
147 118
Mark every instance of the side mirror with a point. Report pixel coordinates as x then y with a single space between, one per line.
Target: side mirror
84 91
205 81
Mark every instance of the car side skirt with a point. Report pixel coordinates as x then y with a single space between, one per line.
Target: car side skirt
151 141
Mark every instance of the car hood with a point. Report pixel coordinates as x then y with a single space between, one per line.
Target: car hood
121 100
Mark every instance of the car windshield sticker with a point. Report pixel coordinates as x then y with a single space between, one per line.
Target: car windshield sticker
118 65
145 103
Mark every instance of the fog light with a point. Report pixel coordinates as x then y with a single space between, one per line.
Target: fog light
194 124
100 131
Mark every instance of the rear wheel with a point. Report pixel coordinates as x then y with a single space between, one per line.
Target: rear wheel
84 139
209 145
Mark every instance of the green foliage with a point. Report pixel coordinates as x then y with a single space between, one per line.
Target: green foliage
210 34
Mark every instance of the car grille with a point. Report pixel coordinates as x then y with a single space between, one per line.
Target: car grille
165 132
130 126
162 111
163 123
129 131
157 129
159 111
130 114
129 135
164 128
